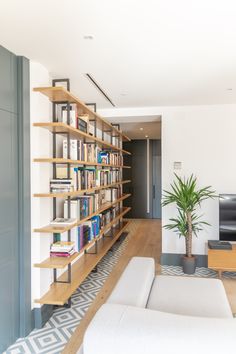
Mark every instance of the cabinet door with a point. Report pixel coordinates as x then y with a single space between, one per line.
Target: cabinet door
9 250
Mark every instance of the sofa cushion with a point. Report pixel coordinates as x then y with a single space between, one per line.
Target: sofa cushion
135 283
189 296
120 329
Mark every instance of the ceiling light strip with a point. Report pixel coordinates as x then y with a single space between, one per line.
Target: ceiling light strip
100 89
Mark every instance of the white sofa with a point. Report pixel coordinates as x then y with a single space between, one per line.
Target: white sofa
148 314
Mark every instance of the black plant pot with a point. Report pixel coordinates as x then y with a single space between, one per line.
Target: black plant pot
189 264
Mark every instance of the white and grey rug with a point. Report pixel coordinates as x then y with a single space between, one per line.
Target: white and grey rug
53 337
200 272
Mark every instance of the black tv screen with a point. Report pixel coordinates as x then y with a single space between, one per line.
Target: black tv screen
228 217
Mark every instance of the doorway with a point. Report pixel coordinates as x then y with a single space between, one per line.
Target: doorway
145 172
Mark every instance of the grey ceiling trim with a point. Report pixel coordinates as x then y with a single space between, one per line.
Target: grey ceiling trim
89 76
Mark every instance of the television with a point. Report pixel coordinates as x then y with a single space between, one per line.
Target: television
227 206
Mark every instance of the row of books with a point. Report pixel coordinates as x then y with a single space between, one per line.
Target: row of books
76 120
90 153
85 205
112 158
83 234
83 178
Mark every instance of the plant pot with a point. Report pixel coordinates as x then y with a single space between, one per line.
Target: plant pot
189 264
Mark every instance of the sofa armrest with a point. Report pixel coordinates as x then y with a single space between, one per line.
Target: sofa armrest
123 329
134 285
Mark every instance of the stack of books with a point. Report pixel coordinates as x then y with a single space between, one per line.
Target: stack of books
61 185
62 249
63 221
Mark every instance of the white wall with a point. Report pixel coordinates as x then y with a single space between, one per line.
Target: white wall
203 138
40 110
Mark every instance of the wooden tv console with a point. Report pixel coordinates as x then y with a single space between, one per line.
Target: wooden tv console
222 260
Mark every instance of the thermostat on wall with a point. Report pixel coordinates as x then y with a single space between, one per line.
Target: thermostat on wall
177 165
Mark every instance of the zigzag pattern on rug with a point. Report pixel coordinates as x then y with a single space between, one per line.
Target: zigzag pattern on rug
53 337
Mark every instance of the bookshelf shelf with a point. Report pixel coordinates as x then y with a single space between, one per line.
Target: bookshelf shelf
81 191
59 160
110 214
57 262
62 262
59 293
61 229
60 94
63 129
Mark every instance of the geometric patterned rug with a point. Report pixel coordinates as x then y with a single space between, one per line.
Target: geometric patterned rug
200 272
52 338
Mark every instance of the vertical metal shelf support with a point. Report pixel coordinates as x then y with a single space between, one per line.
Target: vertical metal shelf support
95 145
54 118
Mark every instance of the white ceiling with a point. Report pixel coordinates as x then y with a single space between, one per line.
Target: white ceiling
151 130
156 52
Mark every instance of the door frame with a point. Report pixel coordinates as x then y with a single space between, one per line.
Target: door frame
24 198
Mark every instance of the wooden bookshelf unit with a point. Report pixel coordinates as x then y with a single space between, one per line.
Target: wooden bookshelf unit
81 263
222 260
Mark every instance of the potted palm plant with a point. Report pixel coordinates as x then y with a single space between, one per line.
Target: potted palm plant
188 199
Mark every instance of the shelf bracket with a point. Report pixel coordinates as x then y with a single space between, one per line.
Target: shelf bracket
95 251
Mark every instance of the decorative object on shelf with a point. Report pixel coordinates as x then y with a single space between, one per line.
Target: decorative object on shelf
188 199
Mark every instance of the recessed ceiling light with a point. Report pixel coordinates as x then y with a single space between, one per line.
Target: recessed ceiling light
141 128
88 36
146 136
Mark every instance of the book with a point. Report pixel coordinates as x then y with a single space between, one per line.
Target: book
73 149
62 254
74 209
73 115
63 221
62 246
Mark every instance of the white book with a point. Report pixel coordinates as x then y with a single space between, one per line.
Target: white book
74 209
73 149
91 129
74 237
73 116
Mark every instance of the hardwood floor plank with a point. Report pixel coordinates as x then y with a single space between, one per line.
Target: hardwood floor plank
144 240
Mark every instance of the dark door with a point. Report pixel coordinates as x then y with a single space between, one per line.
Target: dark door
9 249
156 179
145 174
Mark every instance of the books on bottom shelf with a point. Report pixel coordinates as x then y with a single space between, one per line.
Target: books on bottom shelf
62 249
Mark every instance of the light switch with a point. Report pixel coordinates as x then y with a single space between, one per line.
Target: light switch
177 165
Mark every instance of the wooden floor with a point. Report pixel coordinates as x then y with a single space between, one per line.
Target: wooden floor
144 240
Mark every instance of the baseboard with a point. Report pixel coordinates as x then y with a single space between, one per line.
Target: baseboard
174 259
42 315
